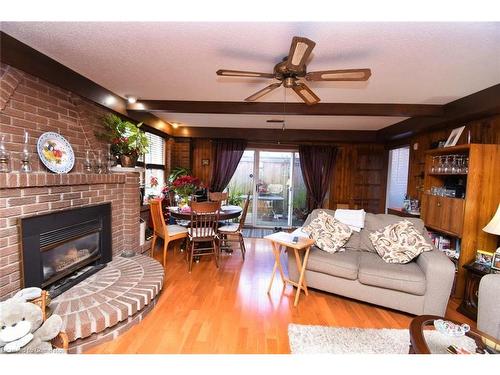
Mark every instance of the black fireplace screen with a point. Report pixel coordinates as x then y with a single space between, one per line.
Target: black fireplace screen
62 248
69 256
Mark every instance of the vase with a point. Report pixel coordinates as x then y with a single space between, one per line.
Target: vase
128 161
183 201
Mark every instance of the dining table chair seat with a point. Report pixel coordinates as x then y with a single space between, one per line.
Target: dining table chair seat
233 227
176 229
206 234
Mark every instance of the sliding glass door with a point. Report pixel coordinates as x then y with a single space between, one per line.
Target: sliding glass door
277 189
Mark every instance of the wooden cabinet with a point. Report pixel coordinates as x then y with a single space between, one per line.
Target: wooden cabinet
464 218
443 214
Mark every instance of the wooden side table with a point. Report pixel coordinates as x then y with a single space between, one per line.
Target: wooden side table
475 272
304 244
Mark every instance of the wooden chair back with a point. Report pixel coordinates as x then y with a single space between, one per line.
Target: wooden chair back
244 212
204 219
159 226
216 196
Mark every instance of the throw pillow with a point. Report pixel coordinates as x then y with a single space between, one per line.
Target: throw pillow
330 235
399 242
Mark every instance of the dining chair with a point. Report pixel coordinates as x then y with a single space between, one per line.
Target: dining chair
217 196
166 232
203 230
233 232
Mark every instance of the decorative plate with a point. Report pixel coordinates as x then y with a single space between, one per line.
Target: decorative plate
55 152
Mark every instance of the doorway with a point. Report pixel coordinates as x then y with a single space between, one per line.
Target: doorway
276 186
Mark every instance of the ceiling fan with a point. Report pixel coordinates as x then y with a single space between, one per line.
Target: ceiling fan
292 68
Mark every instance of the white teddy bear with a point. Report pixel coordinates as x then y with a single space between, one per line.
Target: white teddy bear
21 328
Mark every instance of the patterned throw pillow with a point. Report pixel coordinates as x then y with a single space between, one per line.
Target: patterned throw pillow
399 242
330 234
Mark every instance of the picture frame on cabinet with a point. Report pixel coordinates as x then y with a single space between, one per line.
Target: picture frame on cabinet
454 137
484 257
495 263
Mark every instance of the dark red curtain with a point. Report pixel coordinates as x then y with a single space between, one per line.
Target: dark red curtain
227 155
317 163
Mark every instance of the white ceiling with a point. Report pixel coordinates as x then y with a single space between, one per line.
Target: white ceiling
426 63
292 122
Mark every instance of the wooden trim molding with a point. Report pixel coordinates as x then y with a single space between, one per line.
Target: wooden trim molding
23 57
276 108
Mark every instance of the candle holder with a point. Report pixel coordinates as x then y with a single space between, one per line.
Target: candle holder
110 160
4 157
88 162
26 155
99 165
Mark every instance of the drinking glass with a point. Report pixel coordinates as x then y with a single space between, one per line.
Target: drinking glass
454 164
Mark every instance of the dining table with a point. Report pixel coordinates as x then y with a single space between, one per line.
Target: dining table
226 213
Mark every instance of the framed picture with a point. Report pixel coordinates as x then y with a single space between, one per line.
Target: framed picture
484 257
454 136
495 263
205 162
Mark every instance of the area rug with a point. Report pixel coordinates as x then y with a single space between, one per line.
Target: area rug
306 339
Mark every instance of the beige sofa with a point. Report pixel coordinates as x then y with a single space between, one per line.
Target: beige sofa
422 286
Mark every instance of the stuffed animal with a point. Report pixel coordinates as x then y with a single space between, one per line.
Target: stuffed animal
22 329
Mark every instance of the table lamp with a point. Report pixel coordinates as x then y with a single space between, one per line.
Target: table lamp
493 227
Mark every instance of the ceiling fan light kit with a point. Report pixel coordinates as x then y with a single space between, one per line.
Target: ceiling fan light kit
292 68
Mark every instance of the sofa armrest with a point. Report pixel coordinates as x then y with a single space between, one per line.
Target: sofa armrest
488 310
439 273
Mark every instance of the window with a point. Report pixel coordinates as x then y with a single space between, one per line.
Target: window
397 178
154 163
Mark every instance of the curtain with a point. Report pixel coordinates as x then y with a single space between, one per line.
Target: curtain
317 164
227 155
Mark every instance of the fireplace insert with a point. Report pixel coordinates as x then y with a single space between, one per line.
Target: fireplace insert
62 248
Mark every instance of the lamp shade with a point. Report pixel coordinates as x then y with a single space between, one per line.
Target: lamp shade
493 226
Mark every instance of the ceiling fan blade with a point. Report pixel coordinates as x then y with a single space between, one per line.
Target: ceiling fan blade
339 75
263 92
243 73
307 95
300 50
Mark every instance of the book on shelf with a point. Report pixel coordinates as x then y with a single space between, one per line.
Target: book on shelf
444 243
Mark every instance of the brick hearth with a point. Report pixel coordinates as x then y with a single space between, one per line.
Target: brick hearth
110 296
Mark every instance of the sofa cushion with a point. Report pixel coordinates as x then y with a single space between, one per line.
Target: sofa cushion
330 234
354 240
399 242
374 222
341 264
407 278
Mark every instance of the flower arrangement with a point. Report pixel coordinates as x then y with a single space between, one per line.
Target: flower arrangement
186 186
153 181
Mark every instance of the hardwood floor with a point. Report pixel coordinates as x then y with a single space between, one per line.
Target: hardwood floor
228 310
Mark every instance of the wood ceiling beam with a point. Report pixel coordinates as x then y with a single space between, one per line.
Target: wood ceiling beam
278 136
276 108
478 105
23 57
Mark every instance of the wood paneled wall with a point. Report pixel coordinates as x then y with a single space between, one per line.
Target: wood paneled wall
360 177
202 149
486 130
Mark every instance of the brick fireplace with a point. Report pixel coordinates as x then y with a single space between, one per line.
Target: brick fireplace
27 102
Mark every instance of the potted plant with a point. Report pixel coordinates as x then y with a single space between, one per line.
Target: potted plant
128 142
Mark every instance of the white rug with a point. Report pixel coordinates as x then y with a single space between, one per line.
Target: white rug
305 339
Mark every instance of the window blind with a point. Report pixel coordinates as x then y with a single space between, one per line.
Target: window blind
156 152
397 177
